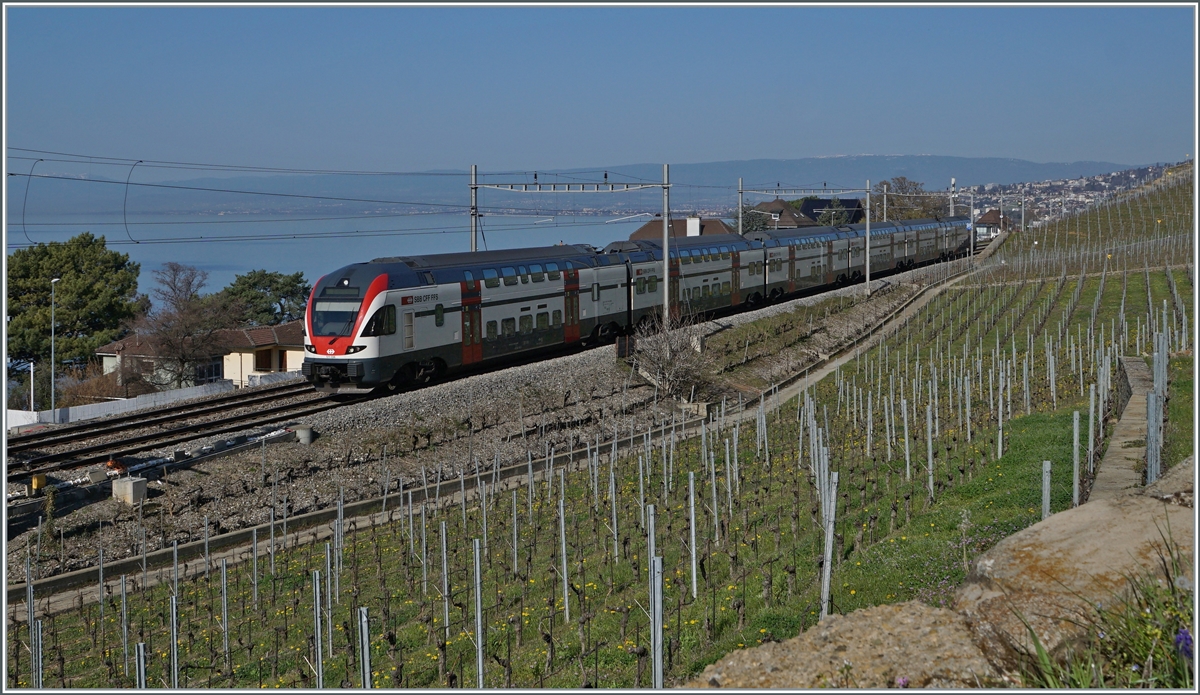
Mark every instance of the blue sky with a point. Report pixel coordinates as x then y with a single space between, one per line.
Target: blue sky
407 88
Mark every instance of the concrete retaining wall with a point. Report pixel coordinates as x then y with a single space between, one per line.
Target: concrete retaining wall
273 378
1121 388
61 416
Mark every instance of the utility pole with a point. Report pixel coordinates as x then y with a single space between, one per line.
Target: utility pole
740 213
474 210
1022 211
885 187
666 251
867 260
952 196
52 389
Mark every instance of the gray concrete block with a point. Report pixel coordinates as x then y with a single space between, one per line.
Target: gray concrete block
97 476
131 491
304 434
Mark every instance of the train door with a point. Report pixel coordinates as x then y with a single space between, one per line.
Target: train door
736 277
673 299
630 287
571 305
472 323
791 269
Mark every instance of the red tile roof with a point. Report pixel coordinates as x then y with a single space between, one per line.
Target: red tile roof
789 216
284 335
652 231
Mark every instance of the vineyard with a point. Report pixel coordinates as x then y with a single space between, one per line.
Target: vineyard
641 564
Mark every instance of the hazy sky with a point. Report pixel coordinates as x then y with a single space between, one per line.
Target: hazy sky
409 88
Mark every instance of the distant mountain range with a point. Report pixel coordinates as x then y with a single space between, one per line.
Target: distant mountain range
430 191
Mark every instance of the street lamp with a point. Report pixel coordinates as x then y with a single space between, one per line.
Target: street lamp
52 389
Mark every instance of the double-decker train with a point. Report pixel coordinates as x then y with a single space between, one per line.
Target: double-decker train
401 320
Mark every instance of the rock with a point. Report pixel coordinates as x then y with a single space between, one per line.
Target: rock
1177 486
869 648
1055 572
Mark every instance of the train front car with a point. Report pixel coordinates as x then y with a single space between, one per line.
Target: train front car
348 323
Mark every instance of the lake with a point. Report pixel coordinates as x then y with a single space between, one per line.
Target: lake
229 245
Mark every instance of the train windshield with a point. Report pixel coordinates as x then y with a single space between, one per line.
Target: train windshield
334 316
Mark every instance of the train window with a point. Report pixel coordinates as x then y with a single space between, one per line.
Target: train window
508 327
556 318
536 271
552 271
685 256
653 283
470 279
714 253
466 328
705 292
524 274
490 278
439 315
595 292
526 324
543 320
725 252
641 285
428 278
491 330
510 275
725 288
382 323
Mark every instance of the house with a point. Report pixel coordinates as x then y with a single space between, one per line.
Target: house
236 354
262 350
691 226
136 360
813 208
784 215
989 224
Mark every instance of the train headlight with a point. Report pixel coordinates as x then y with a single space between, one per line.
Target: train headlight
355 348
311 348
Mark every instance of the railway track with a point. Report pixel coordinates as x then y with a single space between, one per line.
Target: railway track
98 453
91 430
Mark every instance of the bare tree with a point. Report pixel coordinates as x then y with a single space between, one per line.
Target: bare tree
185 330
674 359
906 200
